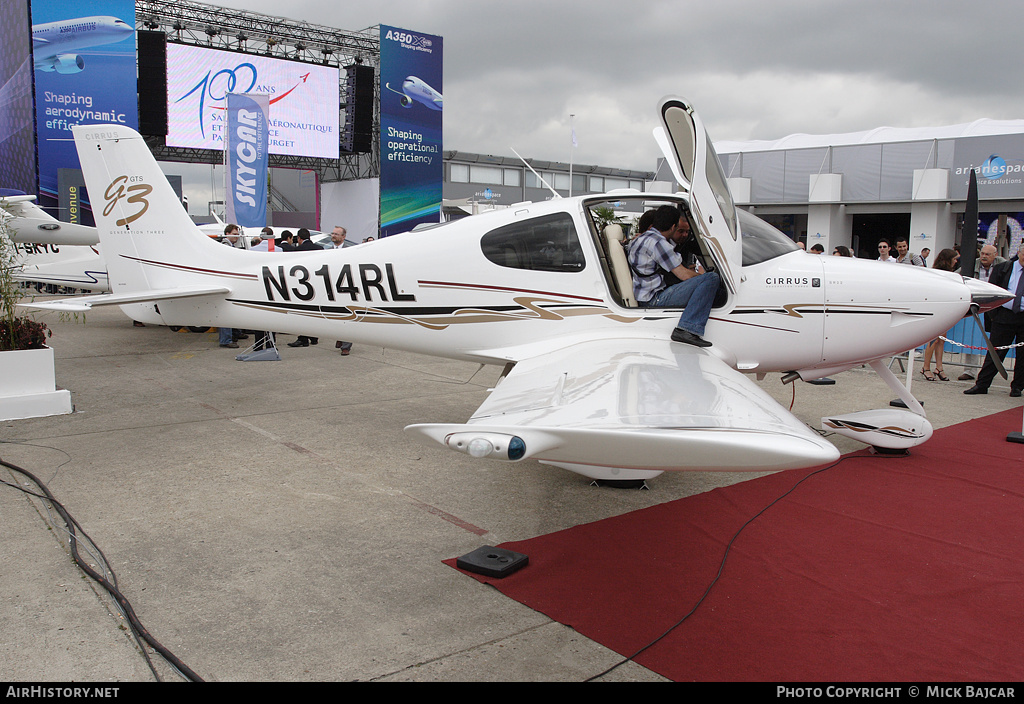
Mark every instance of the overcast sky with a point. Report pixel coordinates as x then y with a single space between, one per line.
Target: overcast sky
515 71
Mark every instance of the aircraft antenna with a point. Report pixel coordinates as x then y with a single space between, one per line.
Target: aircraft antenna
553 191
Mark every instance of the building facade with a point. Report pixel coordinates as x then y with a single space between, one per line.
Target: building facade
855 189
476 182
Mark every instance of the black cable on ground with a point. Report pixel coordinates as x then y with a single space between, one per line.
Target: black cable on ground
725 556
111 586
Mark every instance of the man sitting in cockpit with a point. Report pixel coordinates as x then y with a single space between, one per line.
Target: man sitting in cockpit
652 256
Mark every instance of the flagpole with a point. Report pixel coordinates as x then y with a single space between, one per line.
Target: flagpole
572 144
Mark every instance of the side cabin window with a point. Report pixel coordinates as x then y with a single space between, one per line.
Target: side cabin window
547 243
761 241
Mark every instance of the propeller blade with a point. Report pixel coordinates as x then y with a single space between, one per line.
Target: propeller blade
991 350
969 240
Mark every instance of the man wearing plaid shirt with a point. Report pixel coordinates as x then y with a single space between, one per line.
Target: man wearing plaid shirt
652 255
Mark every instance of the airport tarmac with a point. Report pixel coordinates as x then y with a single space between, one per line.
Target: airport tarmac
271 521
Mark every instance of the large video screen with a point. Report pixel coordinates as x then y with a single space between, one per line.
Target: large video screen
17 136
304 100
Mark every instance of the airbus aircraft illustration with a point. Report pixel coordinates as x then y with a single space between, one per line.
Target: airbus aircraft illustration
415 89
54 44
592 383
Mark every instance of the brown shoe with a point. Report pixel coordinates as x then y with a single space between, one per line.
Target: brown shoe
965 377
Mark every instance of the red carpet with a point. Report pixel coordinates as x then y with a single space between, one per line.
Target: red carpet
878 569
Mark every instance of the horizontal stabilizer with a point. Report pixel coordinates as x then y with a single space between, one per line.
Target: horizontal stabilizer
86 303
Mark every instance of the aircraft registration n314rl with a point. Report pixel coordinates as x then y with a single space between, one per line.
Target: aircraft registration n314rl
592 382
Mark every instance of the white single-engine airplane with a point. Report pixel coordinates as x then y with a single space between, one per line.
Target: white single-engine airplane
592 383
49 251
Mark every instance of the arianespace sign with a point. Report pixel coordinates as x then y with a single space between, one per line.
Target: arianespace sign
998 162
304 104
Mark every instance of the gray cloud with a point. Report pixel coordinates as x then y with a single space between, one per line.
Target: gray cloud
514 72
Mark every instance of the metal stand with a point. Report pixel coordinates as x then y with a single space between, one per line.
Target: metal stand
267 354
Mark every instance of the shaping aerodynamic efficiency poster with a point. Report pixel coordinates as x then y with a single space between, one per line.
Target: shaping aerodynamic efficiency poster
84 57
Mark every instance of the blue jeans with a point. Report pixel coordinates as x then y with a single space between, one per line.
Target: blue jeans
696 294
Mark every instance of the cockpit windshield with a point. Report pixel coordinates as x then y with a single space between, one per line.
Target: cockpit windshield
761 241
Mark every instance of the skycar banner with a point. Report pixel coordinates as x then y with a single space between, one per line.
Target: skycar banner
84 64
246 157
411 108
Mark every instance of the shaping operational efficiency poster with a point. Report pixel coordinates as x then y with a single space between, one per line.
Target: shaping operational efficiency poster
411 111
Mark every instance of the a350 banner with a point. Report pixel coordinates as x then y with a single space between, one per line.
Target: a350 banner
411 110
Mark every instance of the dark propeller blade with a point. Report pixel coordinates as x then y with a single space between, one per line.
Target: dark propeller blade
991 349
969 241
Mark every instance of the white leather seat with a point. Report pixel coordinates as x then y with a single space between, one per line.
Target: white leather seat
613 238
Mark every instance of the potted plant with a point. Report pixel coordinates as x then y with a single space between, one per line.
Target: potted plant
27 380
606 216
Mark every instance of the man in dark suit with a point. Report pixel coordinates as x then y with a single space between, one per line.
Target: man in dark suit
1007 325
286 242
305 245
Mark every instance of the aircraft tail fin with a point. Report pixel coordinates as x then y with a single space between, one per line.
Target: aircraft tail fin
148 239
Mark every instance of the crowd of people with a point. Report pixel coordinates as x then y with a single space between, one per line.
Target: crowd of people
301 241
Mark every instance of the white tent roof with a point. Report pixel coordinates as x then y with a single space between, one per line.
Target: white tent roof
879 135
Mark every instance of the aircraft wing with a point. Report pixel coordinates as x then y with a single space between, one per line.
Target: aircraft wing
641 404
81 304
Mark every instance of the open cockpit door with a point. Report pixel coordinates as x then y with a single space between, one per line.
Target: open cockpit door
696 168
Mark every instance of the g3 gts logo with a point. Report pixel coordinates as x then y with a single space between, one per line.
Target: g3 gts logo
136 195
